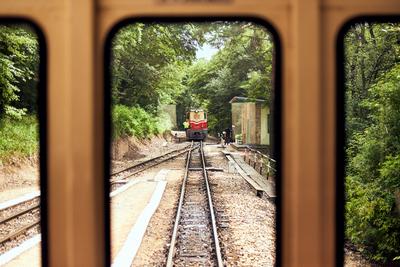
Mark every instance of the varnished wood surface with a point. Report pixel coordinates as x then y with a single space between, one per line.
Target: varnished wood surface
75 32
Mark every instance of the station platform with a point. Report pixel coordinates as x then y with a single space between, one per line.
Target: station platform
265 149
260 183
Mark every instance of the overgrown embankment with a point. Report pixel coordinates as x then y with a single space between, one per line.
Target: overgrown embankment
18 138
19 143
134 128
136 122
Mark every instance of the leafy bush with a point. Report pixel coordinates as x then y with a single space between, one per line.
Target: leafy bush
371 224
135 121
18 137
19 59
373 174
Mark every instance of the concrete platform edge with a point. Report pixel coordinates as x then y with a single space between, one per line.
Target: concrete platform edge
128 252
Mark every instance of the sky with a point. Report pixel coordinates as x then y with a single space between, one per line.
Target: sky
206 51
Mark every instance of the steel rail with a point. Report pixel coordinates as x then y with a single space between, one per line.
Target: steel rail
171 251
19 231
211 208
15 215
19 213
170 155
146 167
148 160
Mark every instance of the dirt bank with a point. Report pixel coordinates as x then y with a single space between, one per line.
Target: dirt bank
132 148
19 176
128 151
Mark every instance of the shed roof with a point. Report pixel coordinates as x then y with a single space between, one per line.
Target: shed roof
242 99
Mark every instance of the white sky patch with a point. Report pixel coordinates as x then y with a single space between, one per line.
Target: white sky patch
206 52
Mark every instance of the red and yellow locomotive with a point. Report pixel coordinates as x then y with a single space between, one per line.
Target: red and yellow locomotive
198 128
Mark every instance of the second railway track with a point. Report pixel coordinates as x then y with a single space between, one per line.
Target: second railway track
123 174
194 240
17 221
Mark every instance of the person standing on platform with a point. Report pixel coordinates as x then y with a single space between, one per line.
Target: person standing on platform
228 136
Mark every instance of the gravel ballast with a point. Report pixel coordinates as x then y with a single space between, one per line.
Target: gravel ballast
18 222
246 223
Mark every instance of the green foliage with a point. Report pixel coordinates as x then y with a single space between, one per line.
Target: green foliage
135 121
371 224
19 60
18 138
370 50
242 67
373 151
170 84
255 85
152 64
18 70
148 62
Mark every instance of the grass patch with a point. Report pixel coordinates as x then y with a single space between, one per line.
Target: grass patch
18 138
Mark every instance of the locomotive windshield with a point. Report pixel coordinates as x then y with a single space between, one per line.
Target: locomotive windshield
197 115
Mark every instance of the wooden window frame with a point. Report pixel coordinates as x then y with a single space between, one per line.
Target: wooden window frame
75 32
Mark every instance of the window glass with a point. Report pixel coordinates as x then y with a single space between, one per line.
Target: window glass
19 146
196 115
191 104
372 147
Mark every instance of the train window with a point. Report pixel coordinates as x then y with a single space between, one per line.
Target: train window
193 165
371 77
20 201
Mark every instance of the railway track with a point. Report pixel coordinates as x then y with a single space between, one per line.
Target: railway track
194 240
16 220
11 225
120 176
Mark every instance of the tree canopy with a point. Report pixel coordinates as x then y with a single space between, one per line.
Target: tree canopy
242 67
155 64
148 62
19 61
372 68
